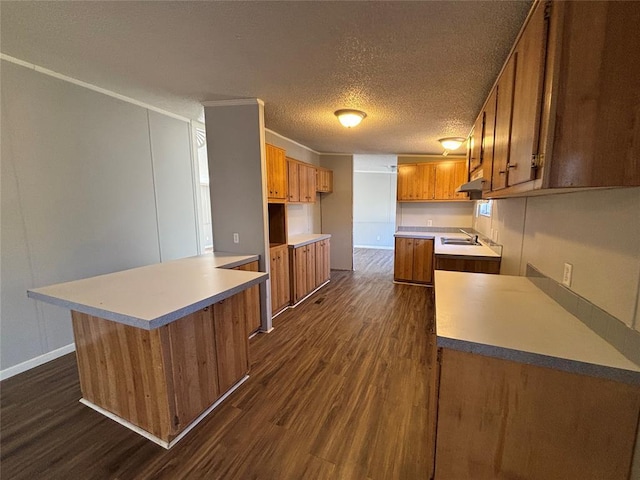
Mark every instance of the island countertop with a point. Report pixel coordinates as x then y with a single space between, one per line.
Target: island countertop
509 317
155 295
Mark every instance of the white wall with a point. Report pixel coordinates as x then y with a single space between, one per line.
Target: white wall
374 208
337 210
597 232
90 185
443 214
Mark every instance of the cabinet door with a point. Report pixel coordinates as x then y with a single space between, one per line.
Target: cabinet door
322 261
475 144
300 287
423 260
502 134
407 182
425 180
283 276
527 98
293 180
488 139
275 280
403 259
232 343
324 180
276 172
252 300
310 184
311 267
459 177
445 179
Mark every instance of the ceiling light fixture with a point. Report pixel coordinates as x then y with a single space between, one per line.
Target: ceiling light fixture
452 143
350 118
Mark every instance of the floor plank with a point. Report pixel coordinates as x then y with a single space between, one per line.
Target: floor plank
343 388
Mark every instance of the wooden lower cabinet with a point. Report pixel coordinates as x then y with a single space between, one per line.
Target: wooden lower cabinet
161 380
468 264
413 260
309 268
500 419
280 290
323 255
252 300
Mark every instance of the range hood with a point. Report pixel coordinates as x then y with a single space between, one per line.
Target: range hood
473 188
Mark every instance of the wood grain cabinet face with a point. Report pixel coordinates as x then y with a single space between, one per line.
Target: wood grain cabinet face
413 260
302 182
276 173
567 101
499 419
252 300
431 181
324 180
310 268
161 380
280 290
529 54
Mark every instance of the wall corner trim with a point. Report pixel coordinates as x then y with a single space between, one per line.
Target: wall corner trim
37 361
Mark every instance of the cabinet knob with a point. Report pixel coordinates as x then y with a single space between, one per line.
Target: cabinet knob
514 165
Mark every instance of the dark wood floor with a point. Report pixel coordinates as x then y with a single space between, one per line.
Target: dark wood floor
341 389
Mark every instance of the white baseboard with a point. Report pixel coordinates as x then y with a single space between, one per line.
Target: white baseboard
375 247
37 361
152 437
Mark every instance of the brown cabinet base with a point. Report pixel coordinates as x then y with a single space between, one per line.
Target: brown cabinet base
162 380
466 264
499 419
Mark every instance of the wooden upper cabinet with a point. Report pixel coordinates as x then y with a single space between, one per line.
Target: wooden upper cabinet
529 55
488 138
324 180
475 143
431 181
293 181
276 173
407 184
595 132
502 132
302 182
567 100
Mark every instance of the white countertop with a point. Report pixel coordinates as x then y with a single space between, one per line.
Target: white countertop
151 296
509 317
457 250
296 241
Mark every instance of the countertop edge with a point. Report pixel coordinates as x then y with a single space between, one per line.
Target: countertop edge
153 323
567 365
237 263
315 237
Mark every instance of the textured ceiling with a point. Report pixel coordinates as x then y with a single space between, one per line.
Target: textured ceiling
420 70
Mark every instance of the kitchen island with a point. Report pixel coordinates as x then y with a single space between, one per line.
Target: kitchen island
526 390
160 346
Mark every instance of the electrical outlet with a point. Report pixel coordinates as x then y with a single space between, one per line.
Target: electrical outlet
429 223
378 238
566 275
236 238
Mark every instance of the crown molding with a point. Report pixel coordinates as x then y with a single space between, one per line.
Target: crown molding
292 141
90 86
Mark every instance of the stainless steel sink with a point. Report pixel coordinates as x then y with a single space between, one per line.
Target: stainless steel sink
458 241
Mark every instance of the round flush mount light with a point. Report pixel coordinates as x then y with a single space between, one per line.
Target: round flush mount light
452 143
350 118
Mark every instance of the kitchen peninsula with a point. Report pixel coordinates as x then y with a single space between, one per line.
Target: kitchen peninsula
158 347
526 389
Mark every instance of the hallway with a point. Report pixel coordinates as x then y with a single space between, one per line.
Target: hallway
341 389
